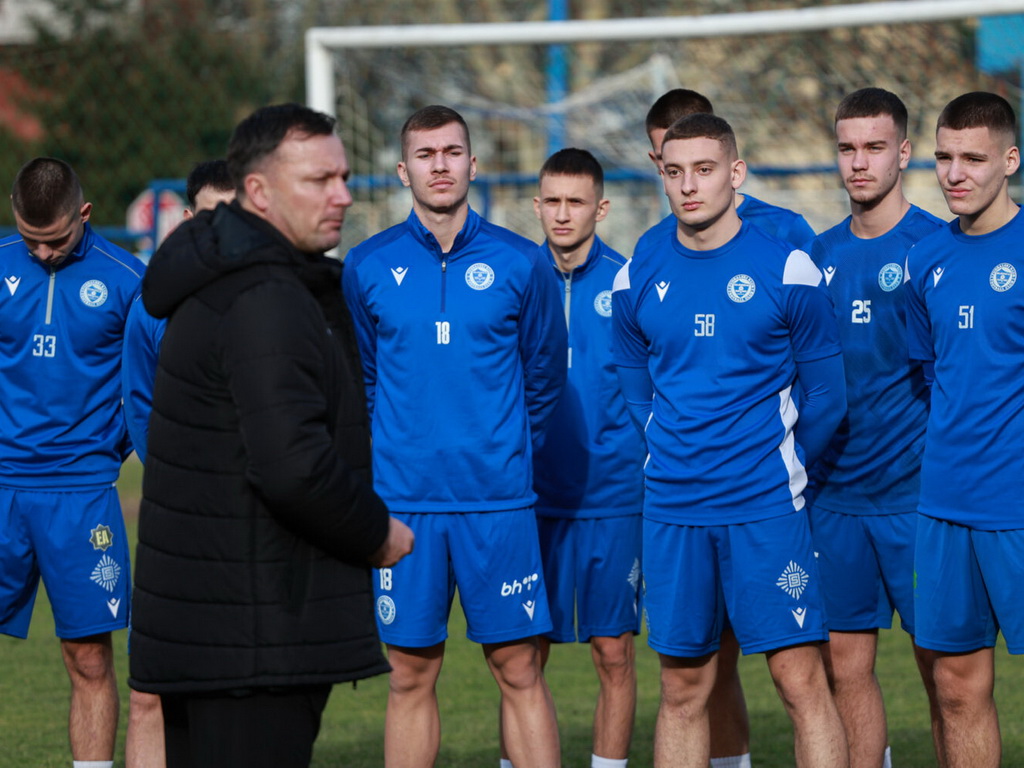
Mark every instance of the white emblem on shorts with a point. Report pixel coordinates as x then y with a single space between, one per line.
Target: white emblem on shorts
93 293
528 606
385 609
479 276
114 605
603 303
634 574
106 573
1003 277
741 288
793 580
890 277
799 614
662 289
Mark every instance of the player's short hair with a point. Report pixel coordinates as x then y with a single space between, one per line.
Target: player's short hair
677 103
703 126
209 173
575 162
44 190
979 109
431 118
260 134
872 102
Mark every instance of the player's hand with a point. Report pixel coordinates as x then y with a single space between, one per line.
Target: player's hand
397 545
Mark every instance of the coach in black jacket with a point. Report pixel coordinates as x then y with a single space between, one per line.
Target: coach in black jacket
258 520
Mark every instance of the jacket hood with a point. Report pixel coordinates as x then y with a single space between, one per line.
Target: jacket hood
205 248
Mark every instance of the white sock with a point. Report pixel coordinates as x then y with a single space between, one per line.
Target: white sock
503 763
92 763
607 762
734 761
887 760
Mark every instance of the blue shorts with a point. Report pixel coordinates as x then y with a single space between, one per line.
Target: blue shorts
592 565
763 573
968 587
494 560
867 568
74 540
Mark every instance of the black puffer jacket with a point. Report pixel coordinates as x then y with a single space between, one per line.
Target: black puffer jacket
258 513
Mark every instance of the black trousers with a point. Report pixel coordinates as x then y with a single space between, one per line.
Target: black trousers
271 727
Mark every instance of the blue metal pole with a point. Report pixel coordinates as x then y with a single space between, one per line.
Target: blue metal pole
557 77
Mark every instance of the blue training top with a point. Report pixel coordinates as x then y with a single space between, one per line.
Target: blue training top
873 463
721 333
142 336
464 357
591 463
965 311
61 331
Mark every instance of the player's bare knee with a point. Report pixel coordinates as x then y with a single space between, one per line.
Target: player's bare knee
615 657
88 662
143 704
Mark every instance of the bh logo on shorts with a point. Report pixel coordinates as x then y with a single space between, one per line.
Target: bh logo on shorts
479 276
517 587
741 288
1003 277
385 609
93 293
890 276
603 303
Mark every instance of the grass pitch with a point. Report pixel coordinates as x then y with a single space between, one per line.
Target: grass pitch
34 694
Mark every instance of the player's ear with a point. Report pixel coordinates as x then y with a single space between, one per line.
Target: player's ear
403 173
602 208
1012 160
739 173
472 167
536 206
85 212
905 149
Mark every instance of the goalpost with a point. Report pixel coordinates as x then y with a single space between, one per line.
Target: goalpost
772 73
320 41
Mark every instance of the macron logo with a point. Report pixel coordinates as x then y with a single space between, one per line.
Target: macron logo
799 614
12 283
528 606
829 272
114 604
662 288
937 274
399 273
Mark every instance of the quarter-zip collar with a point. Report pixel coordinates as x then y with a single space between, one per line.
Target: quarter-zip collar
425 236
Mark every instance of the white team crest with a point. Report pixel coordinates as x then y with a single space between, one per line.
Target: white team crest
399 273
479 276
741 288
106 573
12 283
890 277
385 609
662 289
603 303
793 580
1003 277
93 293
829 274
